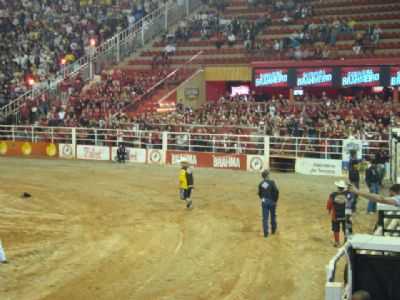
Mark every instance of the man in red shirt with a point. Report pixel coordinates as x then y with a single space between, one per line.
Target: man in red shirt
339 207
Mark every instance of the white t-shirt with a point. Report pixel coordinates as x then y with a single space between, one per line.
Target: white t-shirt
396 200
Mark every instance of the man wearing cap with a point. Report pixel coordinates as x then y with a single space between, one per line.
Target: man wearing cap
339 207
186 182
269 195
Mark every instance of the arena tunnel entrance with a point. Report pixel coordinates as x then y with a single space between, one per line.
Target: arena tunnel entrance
282 164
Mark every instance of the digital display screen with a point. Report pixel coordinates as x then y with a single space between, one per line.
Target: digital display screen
271 77
360 76
318 77
395 76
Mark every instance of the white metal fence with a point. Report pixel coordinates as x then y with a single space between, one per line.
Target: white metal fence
286 147
112 51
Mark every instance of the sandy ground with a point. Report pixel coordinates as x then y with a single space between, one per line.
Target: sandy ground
97 230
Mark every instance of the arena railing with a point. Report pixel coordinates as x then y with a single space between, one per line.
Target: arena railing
112 51
286 147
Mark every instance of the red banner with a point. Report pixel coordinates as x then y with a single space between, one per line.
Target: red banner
209 160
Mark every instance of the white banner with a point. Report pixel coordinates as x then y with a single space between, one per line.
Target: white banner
349 145
256 163
93 152
66 151
135 155
155 156
311 166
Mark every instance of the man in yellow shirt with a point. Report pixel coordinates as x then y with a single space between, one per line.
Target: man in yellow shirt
186 182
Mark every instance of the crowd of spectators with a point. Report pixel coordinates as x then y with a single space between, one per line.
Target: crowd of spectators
97 104
365 117
39 36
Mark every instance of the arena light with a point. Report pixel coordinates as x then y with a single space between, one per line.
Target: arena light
63 61
31 81
377 89
92 42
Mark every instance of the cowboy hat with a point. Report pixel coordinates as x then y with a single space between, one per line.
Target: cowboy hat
184 161
341 184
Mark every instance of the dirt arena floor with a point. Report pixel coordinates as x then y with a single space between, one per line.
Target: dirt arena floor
98 230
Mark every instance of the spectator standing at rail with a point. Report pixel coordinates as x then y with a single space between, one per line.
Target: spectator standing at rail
372 179
186 182
269 196
121 153
354 174
380 159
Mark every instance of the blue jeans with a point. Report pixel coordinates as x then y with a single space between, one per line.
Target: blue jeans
374 189
268 207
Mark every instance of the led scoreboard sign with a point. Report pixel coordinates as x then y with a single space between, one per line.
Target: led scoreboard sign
271 77
318 77
395 76
360 76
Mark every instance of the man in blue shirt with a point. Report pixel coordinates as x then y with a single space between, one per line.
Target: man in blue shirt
269 195
394 198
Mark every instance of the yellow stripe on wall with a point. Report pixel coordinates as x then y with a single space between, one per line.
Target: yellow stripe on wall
231 73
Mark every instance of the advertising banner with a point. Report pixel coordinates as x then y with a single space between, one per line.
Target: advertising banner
320 167
135 155
257 163
21 148
66 151
209 160
155 156
93 152
271 78
316 77
360 76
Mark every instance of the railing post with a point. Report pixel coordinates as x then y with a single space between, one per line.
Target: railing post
142 32
90 63
166 17
164 145
32 134
52 135
187 2
266 151
95 137
297 147
13 133
326 148
73 139
118 48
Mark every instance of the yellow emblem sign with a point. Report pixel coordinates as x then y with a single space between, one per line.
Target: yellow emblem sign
3 148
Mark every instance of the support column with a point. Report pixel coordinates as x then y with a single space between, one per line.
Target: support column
396 94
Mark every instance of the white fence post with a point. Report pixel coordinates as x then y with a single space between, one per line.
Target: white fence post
164 141
266 150
73 140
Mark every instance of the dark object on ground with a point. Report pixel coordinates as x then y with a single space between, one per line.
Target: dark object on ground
26 195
